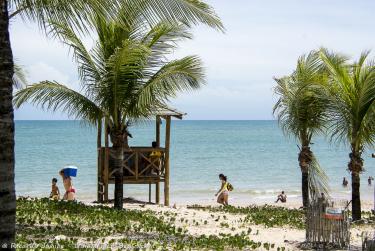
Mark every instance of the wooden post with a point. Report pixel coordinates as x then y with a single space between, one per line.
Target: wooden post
106 161
157 192
99 139
99 179
106 173
158 122
167 146
106 143
149 192
157 184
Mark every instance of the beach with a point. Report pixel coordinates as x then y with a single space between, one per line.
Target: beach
145 226
200 150
255 155
285 236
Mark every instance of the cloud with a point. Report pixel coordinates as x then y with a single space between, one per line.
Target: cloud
41 71
38 72
263 39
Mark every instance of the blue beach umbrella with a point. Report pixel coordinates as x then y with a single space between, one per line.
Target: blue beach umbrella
70 171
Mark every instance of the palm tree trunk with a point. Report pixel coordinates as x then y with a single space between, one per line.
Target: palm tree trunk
356 196
118 138
304 158
356 166
7 188
118 158
305 189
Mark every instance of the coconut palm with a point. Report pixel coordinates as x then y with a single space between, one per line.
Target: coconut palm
7 190
124 77
77 14
352 113
301 113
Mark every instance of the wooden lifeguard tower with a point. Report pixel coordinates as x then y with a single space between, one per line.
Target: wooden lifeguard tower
138 166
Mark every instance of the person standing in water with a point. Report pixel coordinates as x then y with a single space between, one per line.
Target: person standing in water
344 182
370 178
223 193
70 192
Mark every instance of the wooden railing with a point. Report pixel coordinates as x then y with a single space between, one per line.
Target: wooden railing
138 164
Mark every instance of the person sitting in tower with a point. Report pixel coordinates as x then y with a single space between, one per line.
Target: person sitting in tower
155 156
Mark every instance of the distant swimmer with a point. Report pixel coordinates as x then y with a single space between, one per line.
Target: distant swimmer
345 182
281 197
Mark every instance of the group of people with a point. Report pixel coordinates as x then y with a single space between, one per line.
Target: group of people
345 181
68 185
223 193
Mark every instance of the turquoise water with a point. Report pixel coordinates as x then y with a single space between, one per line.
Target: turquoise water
258 160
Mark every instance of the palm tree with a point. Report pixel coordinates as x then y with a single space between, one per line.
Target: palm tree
7 190
302 114
77 14
351 92
124 77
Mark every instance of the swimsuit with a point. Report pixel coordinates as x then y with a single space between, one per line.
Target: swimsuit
71 190
225 189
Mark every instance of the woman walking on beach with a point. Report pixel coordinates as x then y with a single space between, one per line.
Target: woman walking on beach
224 191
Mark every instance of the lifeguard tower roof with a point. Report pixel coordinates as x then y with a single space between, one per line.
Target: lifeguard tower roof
169 111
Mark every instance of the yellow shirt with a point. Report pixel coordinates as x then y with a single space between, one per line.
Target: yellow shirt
155 154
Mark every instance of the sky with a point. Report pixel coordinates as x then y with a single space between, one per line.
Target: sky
263 39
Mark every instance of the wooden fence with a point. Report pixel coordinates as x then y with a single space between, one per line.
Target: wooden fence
327 224
368 242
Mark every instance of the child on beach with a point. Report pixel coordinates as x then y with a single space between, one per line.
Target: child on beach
69 189
224 191
55 192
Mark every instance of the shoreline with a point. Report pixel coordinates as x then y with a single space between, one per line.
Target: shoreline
292 203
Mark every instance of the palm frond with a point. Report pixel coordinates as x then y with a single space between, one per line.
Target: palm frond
188 12
76 14
165 36
351 99
88 69
124 70
179 75
318 180
53 96
301 109
19 77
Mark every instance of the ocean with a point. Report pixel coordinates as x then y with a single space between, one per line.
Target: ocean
257 157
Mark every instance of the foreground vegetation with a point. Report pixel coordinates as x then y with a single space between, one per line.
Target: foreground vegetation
269 216
69 225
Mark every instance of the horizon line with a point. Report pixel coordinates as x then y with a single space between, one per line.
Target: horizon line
154 119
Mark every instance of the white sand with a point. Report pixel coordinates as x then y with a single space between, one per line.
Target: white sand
208 224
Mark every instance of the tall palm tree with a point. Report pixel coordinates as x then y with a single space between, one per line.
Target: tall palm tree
351 92
124 77
7 190
77 14
301 113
